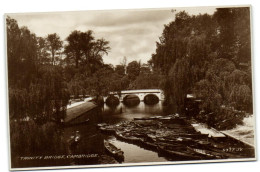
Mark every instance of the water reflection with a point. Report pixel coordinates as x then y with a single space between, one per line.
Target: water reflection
135 154
123 112
92 141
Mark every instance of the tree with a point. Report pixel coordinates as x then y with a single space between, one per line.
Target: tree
37 95
100 82
83 49
100 48
42 51
73 49
22 54
145 69
54 45
234 33
120 70
179 84
133 70
146 81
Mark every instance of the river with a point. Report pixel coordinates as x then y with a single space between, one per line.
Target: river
91 143
92 140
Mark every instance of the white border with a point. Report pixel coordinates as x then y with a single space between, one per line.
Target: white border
22 6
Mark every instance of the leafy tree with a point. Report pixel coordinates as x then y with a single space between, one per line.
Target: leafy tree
100 48
42 51
133 70
145 69
146 81
234 33
83 49
54 45
37 95
208 55
74 48
100 82
179 84
120 70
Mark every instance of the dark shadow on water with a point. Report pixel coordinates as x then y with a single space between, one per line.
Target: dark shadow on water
151 99
131 100
112 101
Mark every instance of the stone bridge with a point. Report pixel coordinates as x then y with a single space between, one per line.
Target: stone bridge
141 94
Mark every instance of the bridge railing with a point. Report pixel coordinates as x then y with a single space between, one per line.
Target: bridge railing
138 91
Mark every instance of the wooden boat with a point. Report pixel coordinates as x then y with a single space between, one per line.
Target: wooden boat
193 136
128 139
144 118
107 130
177 153
205 154
113 151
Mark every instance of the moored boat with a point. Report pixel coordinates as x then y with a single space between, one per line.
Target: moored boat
178 153
113 151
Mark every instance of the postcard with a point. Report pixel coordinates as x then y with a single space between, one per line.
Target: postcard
130 87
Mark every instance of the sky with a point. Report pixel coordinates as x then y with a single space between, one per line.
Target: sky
131 33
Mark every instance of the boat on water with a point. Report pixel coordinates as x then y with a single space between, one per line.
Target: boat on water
148 118
178 153
113 151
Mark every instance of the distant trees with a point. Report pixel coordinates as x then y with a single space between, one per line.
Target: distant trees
133 70
120 69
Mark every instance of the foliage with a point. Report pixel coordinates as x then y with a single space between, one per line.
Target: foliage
84 50
120 69
38 96
209 56
54 45
133 70
146 81
206 55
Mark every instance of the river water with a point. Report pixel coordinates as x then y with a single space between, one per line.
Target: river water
133 153
92 140
123 112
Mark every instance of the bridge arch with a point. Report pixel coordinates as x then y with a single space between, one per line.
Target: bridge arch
131 99
151 99
112 100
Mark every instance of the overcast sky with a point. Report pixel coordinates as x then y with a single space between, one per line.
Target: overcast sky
131 33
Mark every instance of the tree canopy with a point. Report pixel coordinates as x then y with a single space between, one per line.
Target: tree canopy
209 56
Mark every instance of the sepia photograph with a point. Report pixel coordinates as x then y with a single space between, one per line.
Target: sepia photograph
108 88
